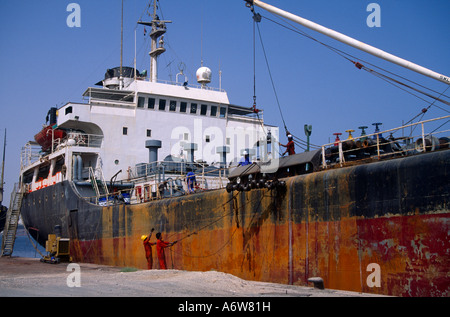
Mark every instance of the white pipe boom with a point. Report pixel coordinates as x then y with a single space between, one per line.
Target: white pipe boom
352 42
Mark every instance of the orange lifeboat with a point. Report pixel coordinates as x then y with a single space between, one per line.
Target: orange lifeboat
44 137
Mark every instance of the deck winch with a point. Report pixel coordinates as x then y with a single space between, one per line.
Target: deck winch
270 174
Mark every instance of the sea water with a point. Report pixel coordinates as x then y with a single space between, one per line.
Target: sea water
24 248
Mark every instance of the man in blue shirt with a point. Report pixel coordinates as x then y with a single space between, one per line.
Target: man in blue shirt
191 181
245 160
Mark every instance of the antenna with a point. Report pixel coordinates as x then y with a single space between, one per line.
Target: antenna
201 40
121 51
135 75
220 75
158 30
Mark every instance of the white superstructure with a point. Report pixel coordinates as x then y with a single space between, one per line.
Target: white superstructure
174 114
133 121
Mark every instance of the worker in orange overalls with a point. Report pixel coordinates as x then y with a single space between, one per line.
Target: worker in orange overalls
290 147
148 249
160 246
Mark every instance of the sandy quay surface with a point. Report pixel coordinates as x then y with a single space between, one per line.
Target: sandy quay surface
29 277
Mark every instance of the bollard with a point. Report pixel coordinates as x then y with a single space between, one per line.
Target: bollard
317 281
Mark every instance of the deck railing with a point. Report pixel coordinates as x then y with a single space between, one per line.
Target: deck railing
158 180
32 152
424 136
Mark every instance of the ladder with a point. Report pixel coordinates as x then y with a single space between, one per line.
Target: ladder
96 182
12 220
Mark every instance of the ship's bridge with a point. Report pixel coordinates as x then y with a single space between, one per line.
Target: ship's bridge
183 117
172 97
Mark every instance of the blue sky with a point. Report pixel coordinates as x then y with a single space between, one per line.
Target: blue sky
45 63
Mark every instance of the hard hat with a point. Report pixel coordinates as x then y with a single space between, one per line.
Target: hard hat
290 136
245 153
143 237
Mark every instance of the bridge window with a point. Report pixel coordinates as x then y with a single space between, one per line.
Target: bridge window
68 110
193 108
223 112
151 103
213 111
183 106
141 102
172 105
162 104
203 110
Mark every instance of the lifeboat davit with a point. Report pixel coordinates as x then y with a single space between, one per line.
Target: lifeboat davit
44 138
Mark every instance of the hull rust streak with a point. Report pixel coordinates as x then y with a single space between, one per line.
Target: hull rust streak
333 224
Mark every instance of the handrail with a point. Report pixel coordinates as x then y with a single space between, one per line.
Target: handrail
173 83
145 170
31 152
145 191
376 144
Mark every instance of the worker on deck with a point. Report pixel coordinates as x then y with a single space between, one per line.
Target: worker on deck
160 246
191 181
290 147
245 160
148 249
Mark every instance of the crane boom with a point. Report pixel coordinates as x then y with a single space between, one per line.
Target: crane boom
351 41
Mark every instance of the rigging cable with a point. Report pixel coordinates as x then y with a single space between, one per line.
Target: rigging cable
396 83
426 109
423 111
371 71
254 64
256 20
393 82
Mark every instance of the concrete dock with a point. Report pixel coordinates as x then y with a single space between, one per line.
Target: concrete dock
28 277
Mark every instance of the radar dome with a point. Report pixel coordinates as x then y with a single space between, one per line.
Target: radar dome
203 75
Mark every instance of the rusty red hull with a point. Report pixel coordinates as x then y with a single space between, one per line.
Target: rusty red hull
341 252
379 228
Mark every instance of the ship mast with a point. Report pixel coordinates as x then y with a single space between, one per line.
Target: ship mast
350 41
158 30
121 51
3 169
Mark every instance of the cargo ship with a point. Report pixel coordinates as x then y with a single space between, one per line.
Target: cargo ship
368 213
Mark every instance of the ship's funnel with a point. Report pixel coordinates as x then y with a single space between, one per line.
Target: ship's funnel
52 116
113 77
